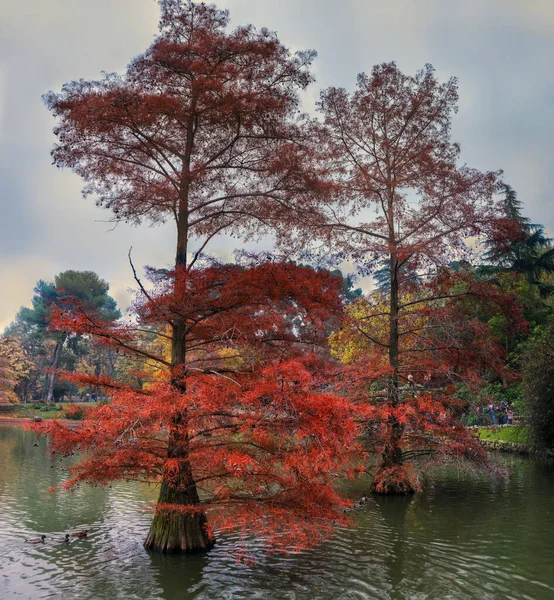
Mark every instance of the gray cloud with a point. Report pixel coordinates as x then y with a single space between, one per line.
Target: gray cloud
502 51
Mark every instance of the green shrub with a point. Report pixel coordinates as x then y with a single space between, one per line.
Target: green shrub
538 386
471 419
45 407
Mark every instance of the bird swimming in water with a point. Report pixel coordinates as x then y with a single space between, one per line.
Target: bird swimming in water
62 539
362 500
80 534
37 540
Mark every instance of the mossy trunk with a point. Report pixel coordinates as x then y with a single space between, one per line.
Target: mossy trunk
179 526
172 532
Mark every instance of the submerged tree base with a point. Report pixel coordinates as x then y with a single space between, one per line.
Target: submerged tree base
179 525
179 534
398 480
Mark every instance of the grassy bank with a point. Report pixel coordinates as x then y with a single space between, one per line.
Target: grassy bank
515 440
45 411
514 435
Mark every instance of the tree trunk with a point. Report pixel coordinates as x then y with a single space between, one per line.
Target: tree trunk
178 533
54 366
173 531
185 529
391 476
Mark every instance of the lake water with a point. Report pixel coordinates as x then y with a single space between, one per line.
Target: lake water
465 538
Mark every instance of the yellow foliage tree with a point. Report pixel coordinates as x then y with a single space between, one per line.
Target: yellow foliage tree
14 366
365 331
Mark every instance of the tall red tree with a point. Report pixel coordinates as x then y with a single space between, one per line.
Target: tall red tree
246 409
202 129
445 350
397 200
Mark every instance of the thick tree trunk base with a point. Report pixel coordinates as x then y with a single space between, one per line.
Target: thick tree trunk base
179 534
392 489
393 480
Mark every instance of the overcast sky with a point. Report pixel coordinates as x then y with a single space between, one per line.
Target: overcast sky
502 51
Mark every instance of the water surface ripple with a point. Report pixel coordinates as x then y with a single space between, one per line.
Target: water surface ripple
465 538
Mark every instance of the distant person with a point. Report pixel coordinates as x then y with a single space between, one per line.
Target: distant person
510 415
492 413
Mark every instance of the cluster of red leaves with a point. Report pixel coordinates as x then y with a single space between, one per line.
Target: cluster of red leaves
73 411
444 342
431 426
204 114
263 309
263 437
263 451
429 419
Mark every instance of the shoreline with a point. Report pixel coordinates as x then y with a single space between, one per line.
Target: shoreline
490 445
31 421
518 448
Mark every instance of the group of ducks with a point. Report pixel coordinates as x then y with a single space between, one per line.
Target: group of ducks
65 538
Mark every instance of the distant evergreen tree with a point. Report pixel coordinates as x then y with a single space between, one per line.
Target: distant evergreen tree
31 324
538 386
350 293
381 277
530 253
407 273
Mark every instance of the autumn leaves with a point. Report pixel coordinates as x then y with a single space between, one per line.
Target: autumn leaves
252 417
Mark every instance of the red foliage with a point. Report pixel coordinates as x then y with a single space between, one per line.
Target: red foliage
443 343
73 412
203 127
277 306
399 201
263 437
